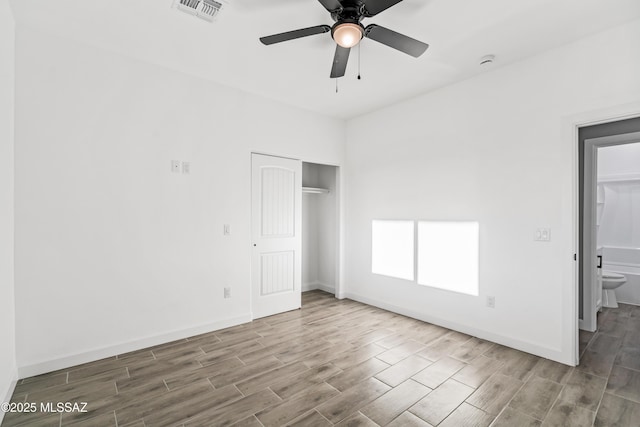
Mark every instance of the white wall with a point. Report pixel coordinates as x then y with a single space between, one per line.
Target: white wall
309 242
309 229
8 372
113 251
497 149
327 228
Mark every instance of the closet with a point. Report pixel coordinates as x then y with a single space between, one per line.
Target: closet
319 227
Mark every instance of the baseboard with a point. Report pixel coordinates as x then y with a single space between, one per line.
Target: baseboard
318 286
582 326
327 288
546 352
68 361
629 303
309 286
9 394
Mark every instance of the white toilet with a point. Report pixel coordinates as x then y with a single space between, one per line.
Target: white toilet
611 281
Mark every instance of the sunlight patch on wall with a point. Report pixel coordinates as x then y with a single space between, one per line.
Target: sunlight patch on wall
448 255
393 248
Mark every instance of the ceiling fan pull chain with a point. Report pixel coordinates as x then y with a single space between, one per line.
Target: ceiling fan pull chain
359 50
337 85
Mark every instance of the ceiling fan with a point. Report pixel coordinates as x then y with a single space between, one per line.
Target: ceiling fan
348 31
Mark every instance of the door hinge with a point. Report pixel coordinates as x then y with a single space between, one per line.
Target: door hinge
575 257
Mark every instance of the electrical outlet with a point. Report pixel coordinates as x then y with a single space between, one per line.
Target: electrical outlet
491 301
227 292
175 166
186 168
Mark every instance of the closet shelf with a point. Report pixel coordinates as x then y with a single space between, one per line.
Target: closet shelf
315 190
631 177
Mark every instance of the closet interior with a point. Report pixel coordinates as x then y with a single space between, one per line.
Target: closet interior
319 227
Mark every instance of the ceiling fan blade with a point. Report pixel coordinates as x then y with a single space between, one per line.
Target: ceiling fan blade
295 34
340 62
373 7
395 40
331 5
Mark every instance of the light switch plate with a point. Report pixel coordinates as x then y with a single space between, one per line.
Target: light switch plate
542 235
227 229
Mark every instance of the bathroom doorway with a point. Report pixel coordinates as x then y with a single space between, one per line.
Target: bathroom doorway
320 228
592 204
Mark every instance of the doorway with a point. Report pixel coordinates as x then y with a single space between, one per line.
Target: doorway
590 208
295 229
320 219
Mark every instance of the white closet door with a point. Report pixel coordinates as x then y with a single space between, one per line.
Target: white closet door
276 263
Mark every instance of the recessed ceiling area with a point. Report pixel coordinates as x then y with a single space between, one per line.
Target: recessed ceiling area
459 32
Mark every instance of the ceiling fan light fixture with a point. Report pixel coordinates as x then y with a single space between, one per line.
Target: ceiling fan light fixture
347 35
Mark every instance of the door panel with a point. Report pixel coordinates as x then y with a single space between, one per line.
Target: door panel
277 272
276 263
278 202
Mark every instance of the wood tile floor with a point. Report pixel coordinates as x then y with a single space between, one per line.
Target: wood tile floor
348 364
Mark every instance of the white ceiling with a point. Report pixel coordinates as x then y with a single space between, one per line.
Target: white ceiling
460 32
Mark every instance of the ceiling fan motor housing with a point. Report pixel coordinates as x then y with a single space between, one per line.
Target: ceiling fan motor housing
350 11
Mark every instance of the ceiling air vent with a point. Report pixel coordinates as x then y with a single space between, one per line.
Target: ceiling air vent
205 9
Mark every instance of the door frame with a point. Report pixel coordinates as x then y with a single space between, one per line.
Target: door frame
590 151
588 238
339 273
572 125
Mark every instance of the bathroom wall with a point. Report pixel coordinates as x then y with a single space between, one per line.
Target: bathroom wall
619 160
619 179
